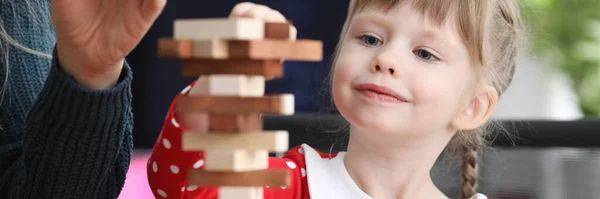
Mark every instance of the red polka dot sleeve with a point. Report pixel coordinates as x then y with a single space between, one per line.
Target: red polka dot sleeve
168 165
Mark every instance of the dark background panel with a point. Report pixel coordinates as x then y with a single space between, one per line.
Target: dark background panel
158 80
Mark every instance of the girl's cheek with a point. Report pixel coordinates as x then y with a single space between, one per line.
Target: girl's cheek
343 67
439 96
341 74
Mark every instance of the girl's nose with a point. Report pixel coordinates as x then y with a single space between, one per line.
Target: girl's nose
378 68
385 64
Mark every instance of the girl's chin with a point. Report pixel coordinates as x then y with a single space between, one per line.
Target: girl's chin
374 124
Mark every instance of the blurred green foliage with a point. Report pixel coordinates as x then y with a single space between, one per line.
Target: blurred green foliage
567 33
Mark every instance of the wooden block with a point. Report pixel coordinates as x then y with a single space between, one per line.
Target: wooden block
188 48
226 122
226 85
236 160
175 48
235 122
277 30
211 48
268 68
260 49
241 193
231 85
272 141
306 50
200 29
282 104
298 50
260 178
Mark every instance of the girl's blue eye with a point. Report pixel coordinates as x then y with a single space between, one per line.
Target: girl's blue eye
425 55
371 41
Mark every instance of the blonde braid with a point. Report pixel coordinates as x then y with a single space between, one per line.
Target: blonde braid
469 173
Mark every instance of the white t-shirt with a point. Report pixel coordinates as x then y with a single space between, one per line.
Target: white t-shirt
329 179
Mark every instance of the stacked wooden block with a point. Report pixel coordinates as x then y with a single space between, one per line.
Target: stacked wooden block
234 58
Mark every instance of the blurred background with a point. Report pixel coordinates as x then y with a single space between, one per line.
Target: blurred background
553 103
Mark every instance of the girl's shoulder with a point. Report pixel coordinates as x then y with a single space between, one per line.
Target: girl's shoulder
326 176
300 152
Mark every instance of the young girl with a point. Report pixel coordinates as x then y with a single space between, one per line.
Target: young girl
411 77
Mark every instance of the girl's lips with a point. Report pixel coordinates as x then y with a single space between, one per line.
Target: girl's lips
380 93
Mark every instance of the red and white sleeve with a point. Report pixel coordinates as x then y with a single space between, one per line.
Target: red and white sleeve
168 165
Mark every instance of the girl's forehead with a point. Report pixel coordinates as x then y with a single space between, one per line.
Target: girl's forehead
436 11
431 13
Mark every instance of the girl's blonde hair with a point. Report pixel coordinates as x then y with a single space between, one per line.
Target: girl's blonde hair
31 15
490 29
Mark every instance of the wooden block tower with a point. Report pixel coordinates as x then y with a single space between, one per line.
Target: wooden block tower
234 58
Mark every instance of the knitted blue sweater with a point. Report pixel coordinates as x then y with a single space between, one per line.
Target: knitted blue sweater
57 139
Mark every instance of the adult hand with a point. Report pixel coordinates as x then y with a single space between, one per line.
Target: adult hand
94 36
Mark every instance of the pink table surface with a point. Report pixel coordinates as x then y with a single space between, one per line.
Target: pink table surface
136 184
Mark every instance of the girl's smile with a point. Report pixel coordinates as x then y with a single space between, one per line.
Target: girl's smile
380 93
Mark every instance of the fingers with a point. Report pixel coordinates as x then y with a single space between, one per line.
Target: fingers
274 16
197 122
240 8
256 11
250 10
293 33
262 12
151 9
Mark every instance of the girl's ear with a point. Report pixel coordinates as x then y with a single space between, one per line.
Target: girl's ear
478 111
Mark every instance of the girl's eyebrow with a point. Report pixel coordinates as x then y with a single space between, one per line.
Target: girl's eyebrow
436 36
374 18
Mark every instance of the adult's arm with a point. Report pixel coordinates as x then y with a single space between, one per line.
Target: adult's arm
77 142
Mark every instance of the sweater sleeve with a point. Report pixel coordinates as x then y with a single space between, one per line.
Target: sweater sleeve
168 167
77 142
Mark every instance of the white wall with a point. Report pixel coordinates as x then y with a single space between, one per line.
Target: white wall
538 91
